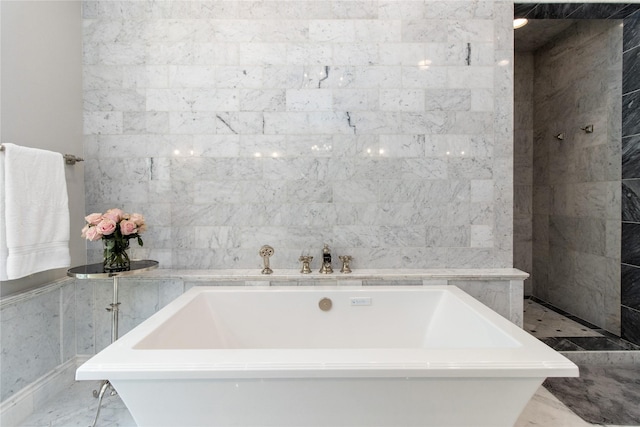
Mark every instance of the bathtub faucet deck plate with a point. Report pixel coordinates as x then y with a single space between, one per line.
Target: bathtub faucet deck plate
378 356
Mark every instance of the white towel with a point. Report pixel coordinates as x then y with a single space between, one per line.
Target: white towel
35 212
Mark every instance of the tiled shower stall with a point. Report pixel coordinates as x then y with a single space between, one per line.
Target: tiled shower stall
576 197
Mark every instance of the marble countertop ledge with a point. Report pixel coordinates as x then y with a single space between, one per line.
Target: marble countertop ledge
373 274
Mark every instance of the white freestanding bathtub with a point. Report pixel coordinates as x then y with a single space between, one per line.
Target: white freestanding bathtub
379 356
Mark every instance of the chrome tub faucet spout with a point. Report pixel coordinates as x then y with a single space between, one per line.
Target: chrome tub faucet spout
326 261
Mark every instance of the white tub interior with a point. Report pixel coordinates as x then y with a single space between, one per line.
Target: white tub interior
282 319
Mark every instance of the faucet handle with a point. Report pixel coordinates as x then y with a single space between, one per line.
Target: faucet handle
306 260
265 252
346 259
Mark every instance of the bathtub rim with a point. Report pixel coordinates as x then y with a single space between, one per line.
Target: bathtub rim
121 361
287 275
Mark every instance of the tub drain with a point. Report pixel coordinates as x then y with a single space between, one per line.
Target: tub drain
325 304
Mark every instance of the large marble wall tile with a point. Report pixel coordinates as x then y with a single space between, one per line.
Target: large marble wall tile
630 320
631 70
630 114
325 116
492 294
521 10
85 324
30 340
631 157
631 243
630 295
604 11
631 200
574 10
68 319
612 235
632 31
102 298
139 298
591 236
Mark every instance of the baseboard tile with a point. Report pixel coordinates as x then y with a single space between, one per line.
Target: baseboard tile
21 405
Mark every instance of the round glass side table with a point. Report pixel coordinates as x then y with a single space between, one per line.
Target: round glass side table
96 271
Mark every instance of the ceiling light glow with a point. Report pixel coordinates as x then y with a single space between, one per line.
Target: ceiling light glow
519 22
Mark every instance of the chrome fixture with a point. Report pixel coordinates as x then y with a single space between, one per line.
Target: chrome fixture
69 159
305 260
346 259
326 261
588 129
325 304
265 252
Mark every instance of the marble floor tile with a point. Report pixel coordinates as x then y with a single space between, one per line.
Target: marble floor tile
602 394
564 332
76 406
544 409
543 322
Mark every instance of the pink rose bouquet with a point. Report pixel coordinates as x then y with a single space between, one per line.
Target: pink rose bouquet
115 228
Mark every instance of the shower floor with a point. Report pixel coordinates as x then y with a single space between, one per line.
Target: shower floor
565 332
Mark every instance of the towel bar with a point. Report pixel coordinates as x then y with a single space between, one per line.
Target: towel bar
69 159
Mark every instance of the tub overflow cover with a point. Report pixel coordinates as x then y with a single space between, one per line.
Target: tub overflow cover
325 304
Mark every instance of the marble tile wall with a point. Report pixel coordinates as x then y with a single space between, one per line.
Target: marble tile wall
38 334
576 196
45 328
380 127
139 298
630 292
523 166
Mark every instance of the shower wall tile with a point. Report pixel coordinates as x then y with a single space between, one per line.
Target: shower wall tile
603 10
612 235
631 70
630 320
631 243
631 157
577 192
631 114
521 10
358 124
631 200
630 295
574 10
632 31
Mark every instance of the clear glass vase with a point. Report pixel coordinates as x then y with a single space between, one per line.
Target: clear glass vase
115 256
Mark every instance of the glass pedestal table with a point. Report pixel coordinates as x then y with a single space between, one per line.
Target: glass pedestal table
96 271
